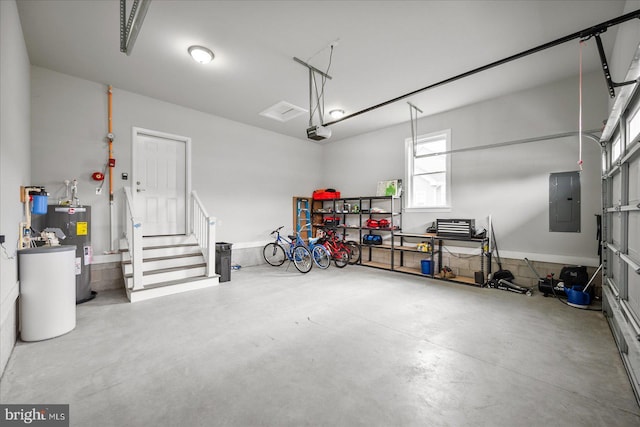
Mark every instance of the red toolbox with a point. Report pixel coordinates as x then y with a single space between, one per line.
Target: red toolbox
325 195
331 221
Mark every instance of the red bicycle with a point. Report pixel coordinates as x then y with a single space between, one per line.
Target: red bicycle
342 252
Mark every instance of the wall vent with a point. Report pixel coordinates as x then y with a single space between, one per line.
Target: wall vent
283 111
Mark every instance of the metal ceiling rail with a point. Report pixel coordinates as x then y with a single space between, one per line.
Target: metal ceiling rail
583 34
588 134
129 29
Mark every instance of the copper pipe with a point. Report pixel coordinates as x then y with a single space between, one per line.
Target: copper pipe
110 137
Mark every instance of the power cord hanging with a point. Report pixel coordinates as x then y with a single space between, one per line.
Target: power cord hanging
104 171
6 254
580 105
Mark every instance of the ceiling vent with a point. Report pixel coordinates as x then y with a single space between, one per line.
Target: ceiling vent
283 111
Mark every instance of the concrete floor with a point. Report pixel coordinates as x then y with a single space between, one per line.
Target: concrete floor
341 347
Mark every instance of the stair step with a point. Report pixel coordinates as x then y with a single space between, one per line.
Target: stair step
162 258
171 287
149 247
172 282
168 240
169 264
181 245
165 251
168 274
156 263
167 270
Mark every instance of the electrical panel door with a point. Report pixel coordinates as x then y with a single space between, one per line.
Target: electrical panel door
564 202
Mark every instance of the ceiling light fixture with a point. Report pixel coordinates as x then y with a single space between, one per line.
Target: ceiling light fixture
336 114
201 54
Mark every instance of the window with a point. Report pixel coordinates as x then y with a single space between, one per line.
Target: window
615 150
634 125
428 178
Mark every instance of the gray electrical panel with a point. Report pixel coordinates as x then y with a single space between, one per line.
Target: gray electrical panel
564 202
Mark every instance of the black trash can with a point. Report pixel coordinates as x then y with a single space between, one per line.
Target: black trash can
223 261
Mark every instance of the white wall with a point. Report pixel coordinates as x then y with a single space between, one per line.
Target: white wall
509 183
245 176
14 162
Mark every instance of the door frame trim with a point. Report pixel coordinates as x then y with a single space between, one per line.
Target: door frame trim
135 132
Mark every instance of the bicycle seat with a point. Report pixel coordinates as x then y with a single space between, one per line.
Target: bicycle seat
291 237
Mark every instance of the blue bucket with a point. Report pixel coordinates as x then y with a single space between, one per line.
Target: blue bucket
39 206
576 297
427 266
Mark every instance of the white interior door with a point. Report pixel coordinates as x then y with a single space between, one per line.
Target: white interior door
160 182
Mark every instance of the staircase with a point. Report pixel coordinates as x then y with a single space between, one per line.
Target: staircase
164 265
170 265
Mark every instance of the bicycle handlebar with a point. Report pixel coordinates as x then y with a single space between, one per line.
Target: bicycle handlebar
277 230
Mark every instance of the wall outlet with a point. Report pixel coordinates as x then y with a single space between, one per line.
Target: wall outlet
99 190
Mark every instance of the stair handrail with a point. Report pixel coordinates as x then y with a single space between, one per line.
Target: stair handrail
133 235
203 227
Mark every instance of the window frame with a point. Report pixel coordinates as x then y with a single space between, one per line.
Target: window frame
632 118
617 150
409 157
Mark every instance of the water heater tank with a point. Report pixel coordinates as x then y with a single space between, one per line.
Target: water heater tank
75 223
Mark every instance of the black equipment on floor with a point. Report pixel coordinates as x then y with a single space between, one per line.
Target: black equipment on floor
503 279
576 275
512 287
547 285
501 274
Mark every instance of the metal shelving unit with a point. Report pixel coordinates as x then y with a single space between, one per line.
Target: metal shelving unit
352 218
394 239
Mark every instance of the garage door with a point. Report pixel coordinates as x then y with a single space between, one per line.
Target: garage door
621 228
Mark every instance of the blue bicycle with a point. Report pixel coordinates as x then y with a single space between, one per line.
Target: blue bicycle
275 253
321 255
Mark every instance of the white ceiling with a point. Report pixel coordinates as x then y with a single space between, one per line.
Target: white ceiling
385 49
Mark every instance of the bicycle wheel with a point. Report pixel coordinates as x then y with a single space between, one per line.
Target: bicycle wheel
354 249
341 258
274 254
321 256
302 259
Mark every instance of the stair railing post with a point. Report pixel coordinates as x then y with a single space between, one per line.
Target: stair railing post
134 241
136 254
203 227
211 246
